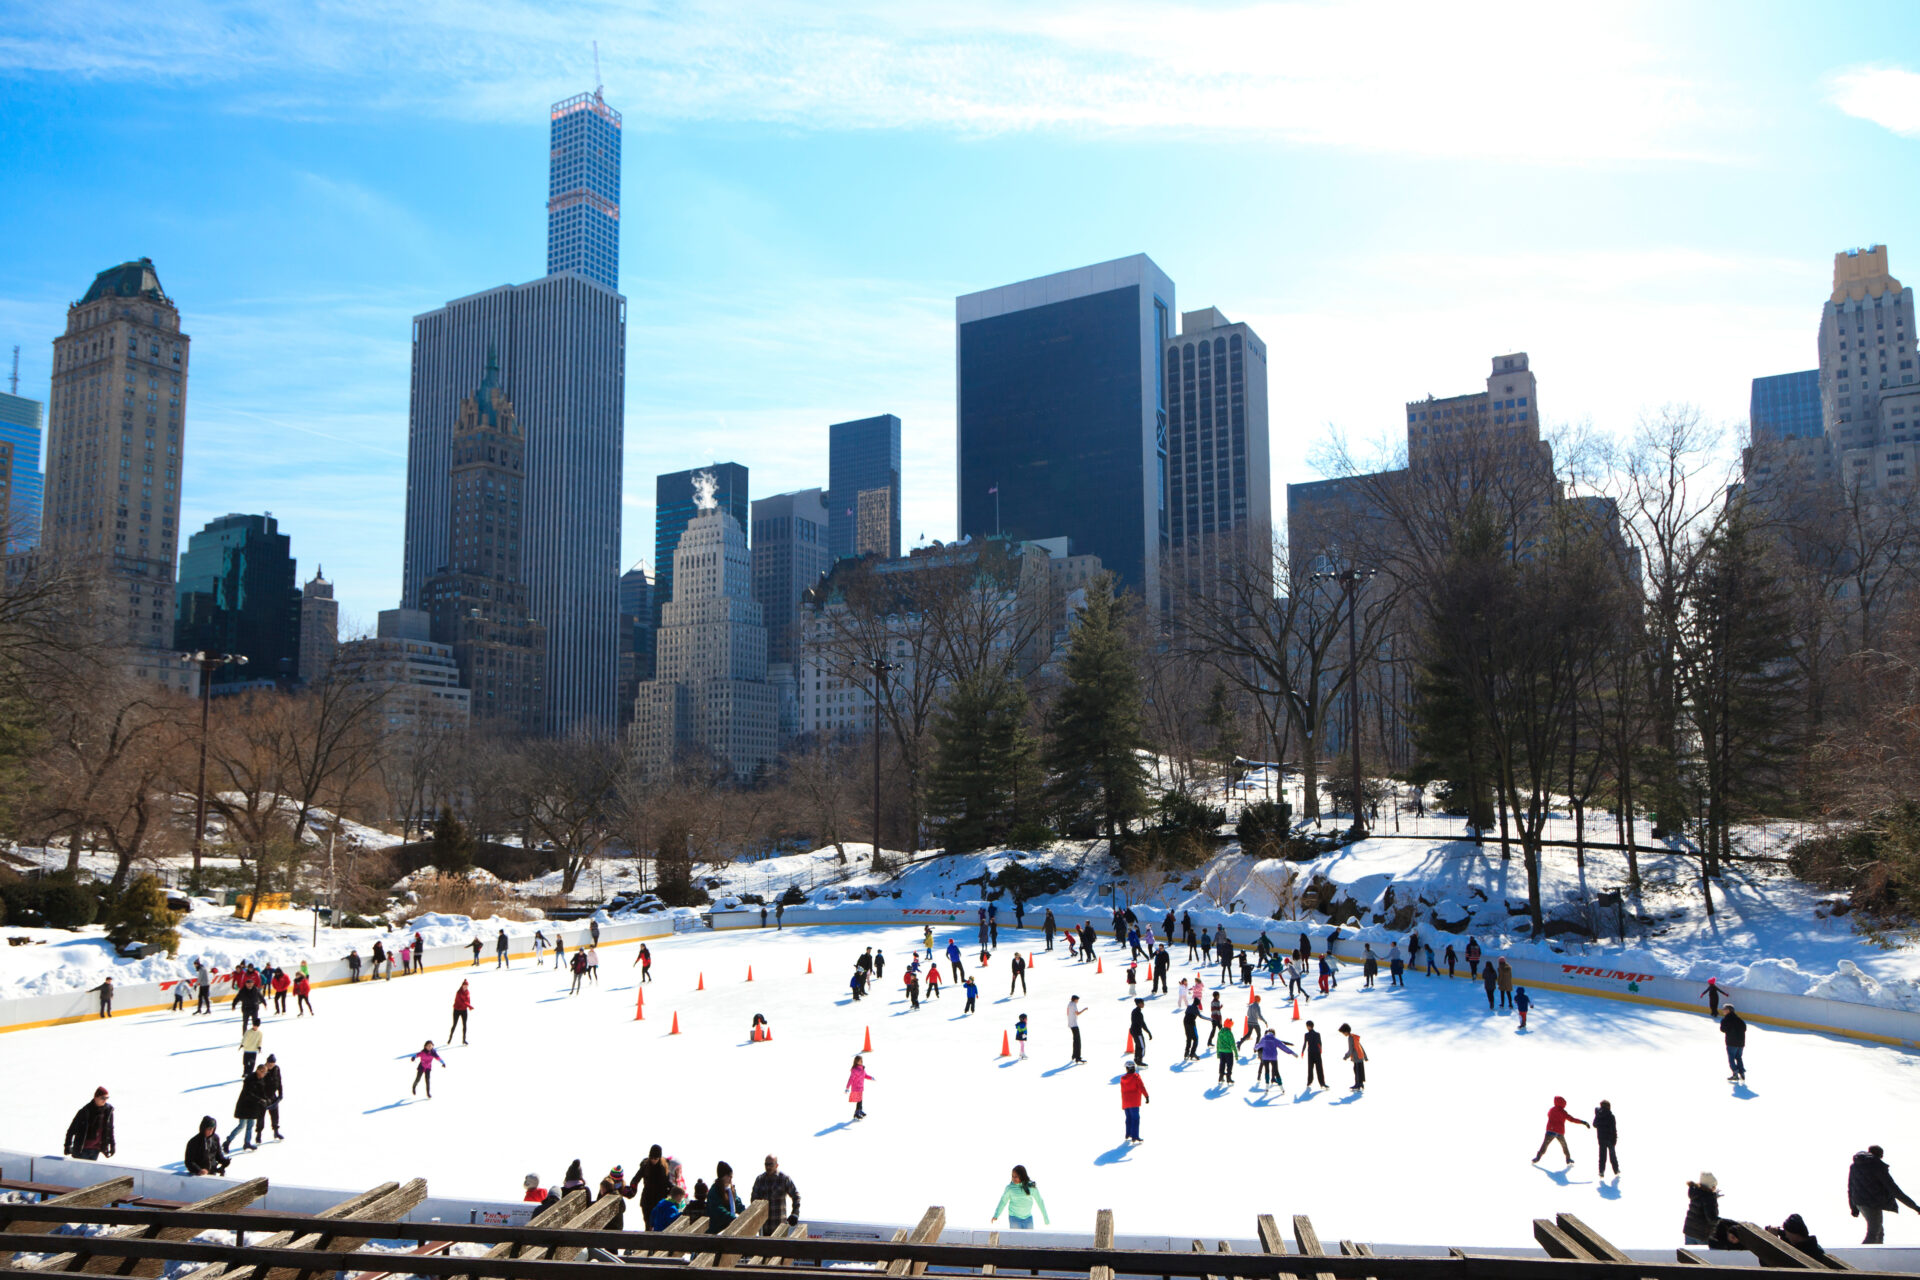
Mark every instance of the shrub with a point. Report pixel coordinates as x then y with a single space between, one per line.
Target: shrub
452 846
1024 883
1178 811
1263 827
793 897
140 917
67 904
1878 863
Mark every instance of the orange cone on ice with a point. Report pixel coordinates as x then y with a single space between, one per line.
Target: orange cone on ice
1098 965
809 964
1296 1008
749 973
640 1006
869 1045
702 984
1006 1049
676 1025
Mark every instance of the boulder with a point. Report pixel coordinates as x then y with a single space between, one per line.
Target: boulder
1449 916
1401 918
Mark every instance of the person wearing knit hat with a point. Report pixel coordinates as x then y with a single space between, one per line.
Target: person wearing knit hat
615 1184
1702 1224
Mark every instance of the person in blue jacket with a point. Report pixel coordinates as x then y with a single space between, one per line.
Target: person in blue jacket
1521 1003
953 960
668 1210
973 993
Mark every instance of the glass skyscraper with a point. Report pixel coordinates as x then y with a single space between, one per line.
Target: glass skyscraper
861 455
20 427
674 510
1785 405
236 594
583 190
1063 414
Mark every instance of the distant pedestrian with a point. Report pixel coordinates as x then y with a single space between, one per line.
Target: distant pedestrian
501 960
1489 979
1431 970
476 952
1316 1066
1505 981
1133 1095
1473 957
203 984
106 997
1452 957
1369 967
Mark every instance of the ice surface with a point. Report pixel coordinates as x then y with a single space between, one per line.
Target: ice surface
1435 1150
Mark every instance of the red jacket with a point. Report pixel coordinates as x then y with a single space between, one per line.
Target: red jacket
1557 1117
301 986
281 982
462 999
1133 1089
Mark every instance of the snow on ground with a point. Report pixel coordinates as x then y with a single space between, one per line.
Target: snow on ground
1435 1150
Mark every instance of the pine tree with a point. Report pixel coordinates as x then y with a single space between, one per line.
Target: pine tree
452 845
141 916
1093 755
986 767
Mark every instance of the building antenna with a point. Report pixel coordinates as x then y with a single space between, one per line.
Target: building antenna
16 368
597 86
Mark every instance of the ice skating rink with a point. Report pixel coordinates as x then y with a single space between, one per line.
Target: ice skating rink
1436 1150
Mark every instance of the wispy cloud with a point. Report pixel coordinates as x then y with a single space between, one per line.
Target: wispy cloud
1400 76
1887 96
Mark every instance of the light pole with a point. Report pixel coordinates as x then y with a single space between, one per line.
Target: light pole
1350 581
208 664
878 667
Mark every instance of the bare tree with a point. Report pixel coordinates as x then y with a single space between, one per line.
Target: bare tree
568 796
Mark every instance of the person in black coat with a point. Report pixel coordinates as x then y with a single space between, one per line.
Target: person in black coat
205 1157
1606 1132
1487 980
1049 927
1190 1022
90 1136
276 1092
1137 1030
1316 1066
1162 966
1734 1028
1871 1192
1702 1225
250 1108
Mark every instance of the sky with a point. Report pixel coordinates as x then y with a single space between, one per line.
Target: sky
1645 198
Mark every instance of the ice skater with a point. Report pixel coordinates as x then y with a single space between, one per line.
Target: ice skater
1316 1066
462 1004
1019 1200
1190 1023
1557 1120
1074 1010
1488 979
1136 1030
540 947
1712 994
1357 1056
1521 1003
857 1086
954 966
476 945
1223 1045
1019 968
303 995
500 958
645 961
1133 1093
1505 981
423 1064
1606 1131
1020 1035
1734 1028
973 994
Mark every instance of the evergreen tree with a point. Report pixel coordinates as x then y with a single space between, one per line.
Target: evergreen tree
140 916
1739 681
1092 758
452 845
986 767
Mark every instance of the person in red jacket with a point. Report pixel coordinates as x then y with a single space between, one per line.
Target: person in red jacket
281 985
302 988
462 1002
1133 1092
1557 1130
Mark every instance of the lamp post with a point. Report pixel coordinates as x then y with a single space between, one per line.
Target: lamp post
1350 581
878 668
208 664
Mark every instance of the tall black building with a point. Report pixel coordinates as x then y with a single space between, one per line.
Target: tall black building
861 455
674 510
1063 414
237 594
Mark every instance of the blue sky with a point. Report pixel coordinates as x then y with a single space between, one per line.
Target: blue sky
1644 198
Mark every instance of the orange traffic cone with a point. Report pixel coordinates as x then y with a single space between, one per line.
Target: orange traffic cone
749 973
1296 1008
766 1032
1029 959
868 1048
1098 965
676 1025
1006 1049
1129 1048
809 964
702 984
640 1006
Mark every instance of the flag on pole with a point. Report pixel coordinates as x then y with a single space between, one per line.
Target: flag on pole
995 489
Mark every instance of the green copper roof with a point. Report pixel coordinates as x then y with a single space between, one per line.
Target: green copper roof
128 280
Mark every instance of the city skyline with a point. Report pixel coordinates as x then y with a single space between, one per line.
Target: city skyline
832 233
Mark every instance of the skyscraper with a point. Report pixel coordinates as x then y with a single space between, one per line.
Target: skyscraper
236 594
319 628
1785 405
20 420
789 554
1867 390
1063 414
674 509
561 348
862 454
116 427
583 201
1219 480
636 637
479 603
710 690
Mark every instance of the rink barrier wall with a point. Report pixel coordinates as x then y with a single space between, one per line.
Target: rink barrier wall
1873 1023
157 997
161 1184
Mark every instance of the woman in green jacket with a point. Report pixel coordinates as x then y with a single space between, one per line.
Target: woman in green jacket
1224 1045
1019 1200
